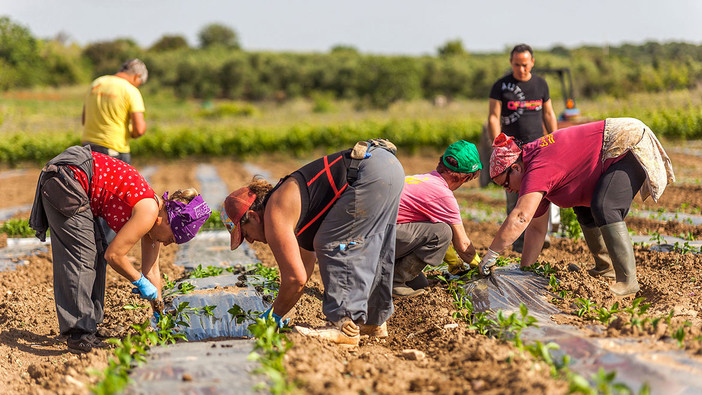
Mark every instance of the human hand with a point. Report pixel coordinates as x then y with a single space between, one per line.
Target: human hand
454 263
278 319
488 261
157 307
145 289
475 262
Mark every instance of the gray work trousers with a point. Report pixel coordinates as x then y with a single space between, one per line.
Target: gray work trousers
355 243
79 270
428 241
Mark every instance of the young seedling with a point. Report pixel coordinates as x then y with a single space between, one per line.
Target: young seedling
134 306
679 334
585 307
482 323
183 288
209 271
657 238
570 224
636 312
167 284
605 315
540 268
269 350
604 383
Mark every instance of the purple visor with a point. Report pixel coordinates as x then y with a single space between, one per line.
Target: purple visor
186 219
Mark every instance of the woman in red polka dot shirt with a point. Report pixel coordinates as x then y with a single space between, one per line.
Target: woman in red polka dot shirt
74 189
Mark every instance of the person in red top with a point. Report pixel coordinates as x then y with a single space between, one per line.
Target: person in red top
596 168
79 186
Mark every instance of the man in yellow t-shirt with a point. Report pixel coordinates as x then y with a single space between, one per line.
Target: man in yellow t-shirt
113 111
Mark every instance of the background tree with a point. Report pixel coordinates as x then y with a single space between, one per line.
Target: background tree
452 48
20 61
108 56
217 34
169 43
343 49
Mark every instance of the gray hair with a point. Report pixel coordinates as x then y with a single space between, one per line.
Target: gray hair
135 67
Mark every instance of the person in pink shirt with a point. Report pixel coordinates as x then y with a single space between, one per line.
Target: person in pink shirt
597 168
429 219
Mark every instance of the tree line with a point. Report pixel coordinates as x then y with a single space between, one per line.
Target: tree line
219 68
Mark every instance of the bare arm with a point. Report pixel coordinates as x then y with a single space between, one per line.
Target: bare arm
149 261
281 216
534 239
549 116
143 217
517 221
138 124
494 123
464 247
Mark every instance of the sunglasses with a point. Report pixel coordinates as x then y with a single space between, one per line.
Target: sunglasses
506 183
227 222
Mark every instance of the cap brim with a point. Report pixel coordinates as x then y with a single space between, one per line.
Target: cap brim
235 237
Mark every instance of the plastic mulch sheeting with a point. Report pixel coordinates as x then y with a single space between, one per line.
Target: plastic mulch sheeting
211 248
197 368
221 291
667 372
18 249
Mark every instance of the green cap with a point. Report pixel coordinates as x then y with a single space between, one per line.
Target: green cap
466 154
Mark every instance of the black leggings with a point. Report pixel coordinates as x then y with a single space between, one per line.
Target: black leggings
613 193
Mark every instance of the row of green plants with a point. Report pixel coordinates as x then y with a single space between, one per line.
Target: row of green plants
17 228
270 344
510 327
245 140
242 141
634 316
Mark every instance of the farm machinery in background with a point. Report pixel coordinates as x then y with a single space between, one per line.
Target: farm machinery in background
568 117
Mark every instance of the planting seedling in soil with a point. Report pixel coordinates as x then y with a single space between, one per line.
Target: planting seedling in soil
457 360
73 189
596 168
429 220
341 210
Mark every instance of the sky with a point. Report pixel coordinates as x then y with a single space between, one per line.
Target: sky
411 27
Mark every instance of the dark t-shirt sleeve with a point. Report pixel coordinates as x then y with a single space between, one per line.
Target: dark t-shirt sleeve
547 93
496 91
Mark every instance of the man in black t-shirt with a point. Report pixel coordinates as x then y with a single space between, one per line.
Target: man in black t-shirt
520 106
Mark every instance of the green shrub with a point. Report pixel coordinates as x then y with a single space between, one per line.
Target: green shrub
17 228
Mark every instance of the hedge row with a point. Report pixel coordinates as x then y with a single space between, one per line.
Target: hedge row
246 141
241 141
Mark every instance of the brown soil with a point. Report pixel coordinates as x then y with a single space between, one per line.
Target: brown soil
456 360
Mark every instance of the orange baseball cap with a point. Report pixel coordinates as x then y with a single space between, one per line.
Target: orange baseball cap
235 206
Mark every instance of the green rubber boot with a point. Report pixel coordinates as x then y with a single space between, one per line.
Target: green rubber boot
596 245
621 251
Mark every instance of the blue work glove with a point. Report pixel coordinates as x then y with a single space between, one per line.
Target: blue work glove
278 319
145 289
